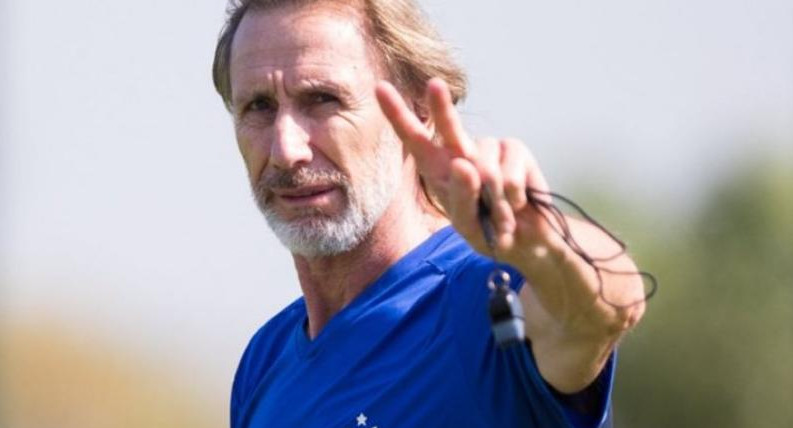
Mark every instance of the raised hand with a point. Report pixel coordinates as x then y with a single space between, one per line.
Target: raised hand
571 327
458 168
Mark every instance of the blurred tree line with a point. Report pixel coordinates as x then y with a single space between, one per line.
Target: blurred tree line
716 345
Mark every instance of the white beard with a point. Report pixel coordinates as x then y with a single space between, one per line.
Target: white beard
315 233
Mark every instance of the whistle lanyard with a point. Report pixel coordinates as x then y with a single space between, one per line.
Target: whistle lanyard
504 307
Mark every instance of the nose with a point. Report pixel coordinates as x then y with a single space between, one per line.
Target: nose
291 143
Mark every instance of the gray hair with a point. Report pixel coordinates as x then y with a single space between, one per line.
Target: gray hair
409 48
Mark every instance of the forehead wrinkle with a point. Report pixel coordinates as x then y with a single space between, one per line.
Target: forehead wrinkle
319 79
349 28
336 76
277 82
301 55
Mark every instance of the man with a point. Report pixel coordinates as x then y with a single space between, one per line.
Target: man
360 179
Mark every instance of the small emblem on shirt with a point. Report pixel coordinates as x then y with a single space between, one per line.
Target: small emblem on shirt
361 420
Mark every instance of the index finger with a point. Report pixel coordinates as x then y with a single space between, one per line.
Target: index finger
447 120
407 126
431 159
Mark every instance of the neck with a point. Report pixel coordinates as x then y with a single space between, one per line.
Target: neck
330 283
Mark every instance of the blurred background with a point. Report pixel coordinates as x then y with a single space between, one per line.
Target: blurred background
134 265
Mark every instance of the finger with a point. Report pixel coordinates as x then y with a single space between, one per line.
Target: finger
404 121
535 180
489 167
464 188
514 172
447 120
539 222
431 160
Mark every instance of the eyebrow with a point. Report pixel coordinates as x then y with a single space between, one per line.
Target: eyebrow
302 86
320 85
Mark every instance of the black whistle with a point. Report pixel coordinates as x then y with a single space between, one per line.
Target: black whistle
504 307
506 312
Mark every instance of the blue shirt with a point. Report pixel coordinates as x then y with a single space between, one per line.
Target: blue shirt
414 349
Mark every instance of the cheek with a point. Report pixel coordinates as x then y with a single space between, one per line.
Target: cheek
350 143
254 151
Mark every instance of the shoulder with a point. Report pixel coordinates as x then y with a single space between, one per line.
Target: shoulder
453 255
466 268
451 252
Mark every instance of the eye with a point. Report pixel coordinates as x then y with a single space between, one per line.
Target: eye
321 98
262 104
258 112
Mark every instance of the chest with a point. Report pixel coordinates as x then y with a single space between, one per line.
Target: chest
380 373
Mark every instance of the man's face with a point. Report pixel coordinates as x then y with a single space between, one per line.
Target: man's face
323 161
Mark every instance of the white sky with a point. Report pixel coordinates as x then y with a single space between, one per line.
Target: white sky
125 208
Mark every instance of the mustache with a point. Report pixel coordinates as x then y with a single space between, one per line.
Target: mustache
299 177
303 176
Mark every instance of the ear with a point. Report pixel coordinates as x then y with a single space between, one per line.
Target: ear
423 113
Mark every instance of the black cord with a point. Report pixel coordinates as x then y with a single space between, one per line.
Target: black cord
540 201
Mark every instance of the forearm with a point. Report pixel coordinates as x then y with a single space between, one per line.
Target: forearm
575 316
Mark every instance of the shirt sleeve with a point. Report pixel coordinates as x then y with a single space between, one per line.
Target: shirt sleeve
513 391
